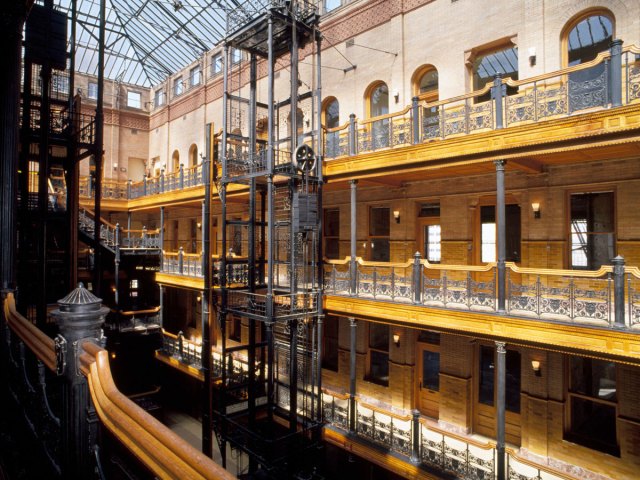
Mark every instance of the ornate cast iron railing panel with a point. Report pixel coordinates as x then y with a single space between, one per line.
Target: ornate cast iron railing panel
572 296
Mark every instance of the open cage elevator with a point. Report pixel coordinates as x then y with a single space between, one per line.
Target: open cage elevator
270 267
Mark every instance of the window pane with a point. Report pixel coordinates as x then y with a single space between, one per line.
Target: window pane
379 367
331 4
379 221
488 235
332 115
380 250
593 425
429 82
485 387
216 64
379 101
594 378
588 38
512 393
485 67
431 370
592 229
379 336
331 222
433 243
134 99
93 90
178 87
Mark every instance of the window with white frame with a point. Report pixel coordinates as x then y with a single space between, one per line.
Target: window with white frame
178 86
134 99
216 64
194 76
92 92
159 98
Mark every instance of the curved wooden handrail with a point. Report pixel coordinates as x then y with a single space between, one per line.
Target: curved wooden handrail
635 271
459 98
545 468
165 453
35 339
139 312
386 116
471 441
560 272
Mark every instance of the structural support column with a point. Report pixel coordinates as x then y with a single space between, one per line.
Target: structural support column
353 268
97 153
12 16
205 355
501 374
502 233
352 375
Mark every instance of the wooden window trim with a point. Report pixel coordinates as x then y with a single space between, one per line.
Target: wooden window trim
575 20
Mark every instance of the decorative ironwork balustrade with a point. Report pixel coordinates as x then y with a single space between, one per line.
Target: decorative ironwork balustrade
611 79
114 237
577 296
417 440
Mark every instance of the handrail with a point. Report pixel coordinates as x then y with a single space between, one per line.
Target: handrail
604 269
165 453
458 98
488 445
512 453
139 312
42 345
123 230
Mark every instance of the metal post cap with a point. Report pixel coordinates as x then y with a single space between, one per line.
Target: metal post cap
80 300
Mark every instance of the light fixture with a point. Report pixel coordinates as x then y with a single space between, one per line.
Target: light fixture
535 206
535 365
532 56
396 339
396 215
396 96
199 225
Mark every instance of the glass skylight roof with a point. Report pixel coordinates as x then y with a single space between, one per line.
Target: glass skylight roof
147 40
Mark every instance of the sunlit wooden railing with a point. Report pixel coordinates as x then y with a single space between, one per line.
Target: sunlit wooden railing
611 79
160 450
562 295
417 440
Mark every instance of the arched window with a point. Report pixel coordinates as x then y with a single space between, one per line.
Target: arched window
425 82
331 119
331 113
193 155
377 96
175 161
586 36
378 103
583 39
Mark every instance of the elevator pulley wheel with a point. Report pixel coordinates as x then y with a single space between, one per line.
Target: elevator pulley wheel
304 158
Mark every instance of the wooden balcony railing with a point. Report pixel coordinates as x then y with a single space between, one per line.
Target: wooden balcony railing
412 437
609 296
162 452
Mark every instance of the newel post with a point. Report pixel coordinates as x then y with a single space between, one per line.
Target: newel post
618 291
415 120
417 278
616 73
352 134
80 316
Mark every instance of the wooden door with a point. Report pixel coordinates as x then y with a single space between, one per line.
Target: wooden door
428 368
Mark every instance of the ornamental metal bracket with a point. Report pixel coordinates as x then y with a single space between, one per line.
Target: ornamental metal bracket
60 345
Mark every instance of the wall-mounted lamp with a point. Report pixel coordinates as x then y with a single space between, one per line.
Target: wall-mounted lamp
199 225
532 56
396 339
396 96
396 215
535 206
535 365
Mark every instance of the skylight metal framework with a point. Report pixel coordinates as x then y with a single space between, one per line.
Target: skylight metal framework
148 40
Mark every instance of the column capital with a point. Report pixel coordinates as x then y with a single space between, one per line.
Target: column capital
501 347
352 321
500 164
353 182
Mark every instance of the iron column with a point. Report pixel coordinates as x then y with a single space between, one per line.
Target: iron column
502 233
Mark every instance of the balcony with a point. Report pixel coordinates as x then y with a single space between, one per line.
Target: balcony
610 80
587 310
419 442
